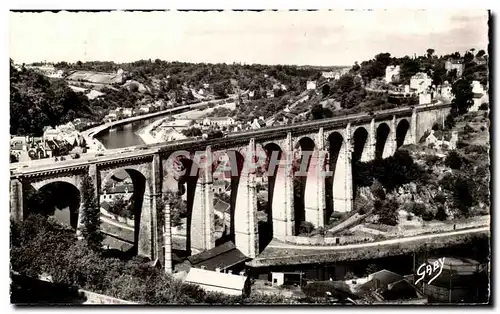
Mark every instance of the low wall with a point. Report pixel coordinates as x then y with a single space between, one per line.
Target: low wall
96 298
344 240
124 220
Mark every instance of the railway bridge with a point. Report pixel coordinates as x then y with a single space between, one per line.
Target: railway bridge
317 155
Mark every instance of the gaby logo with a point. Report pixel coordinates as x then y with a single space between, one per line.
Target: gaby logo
428 269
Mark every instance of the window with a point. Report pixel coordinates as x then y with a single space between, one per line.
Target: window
275 280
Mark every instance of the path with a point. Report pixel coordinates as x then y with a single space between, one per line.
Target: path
378 243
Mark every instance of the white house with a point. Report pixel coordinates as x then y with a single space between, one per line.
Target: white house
311 85
424 98
454 65
217 281
144 108
127 112
420 82
446 91
218 121
328 75
480 96
392 73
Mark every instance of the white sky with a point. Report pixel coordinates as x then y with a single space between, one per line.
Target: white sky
316 38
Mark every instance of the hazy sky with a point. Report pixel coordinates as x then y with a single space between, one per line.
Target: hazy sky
316 38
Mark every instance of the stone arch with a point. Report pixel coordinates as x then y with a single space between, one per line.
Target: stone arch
361 145
335 185
402 132
276 172
140 202
382 149
57 197
227 166
303 178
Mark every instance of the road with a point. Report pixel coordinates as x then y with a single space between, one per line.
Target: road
378 243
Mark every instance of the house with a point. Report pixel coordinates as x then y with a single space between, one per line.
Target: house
420 82
225 258
446 140
454 65
218 121
445 91
258 123
127 112
144 108
424 98
328 75
112 116
310 85
219 282
392 73
221 185
480 96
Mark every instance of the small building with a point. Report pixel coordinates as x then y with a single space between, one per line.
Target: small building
219 282
310 85
445 90
424 98
127 112
144 108
328 75
392 73
258 123
454 65
225 258
420 82
218 121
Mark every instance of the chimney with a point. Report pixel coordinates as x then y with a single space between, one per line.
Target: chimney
217 269
203 267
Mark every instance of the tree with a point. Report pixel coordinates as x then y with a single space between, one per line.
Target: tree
453 160
462 90
91 216
430 52
121 207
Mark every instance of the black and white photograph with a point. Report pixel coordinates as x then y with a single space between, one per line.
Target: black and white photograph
250 157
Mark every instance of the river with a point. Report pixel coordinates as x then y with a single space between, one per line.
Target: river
124 135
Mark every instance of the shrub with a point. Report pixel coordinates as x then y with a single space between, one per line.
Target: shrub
449 123
468 129
426 134
306 227
350 275
418 209
378 190
453 160
428 216
441 214
480 149
431 160
440 198
337 215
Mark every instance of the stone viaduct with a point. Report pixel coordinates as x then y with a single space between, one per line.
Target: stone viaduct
328 145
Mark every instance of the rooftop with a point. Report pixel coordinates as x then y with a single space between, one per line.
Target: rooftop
222 256
216 279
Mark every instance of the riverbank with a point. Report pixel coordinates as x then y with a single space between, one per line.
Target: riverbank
146 133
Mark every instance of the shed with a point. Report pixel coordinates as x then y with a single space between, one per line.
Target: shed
219 282
224 257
